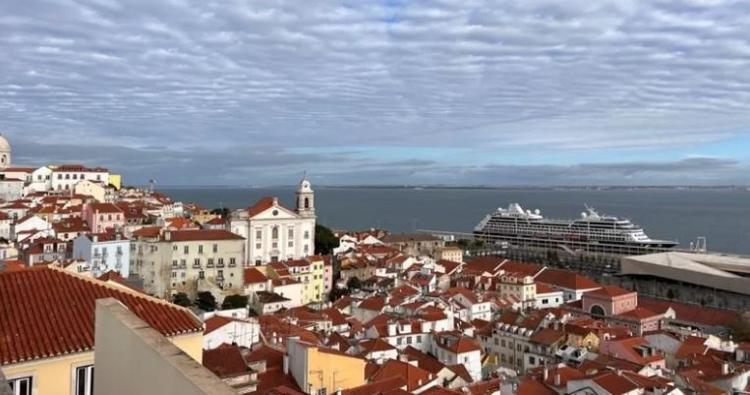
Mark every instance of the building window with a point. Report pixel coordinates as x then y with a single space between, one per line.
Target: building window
257 246
200 249
201 275
186 249
21 386
85 380
216 248
232 261
322 391
290 233
275 232
307 234
258 234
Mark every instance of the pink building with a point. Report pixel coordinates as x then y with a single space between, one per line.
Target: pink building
609 300
620 306
103 216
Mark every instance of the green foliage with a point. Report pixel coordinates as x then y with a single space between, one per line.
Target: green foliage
740 329
223 211
353 283
325 241
181 299
205 301
234 302
337 293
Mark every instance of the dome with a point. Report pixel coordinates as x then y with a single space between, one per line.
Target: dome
4 144
305 186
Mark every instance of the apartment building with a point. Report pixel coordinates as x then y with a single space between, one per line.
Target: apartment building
189 261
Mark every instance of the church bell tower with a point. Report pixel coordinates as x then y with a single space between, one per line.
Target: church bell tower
305 199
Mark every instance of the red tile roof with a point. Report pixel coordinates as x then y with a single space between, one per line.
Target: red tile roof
225 361
104 208
203 235
215 323
264 204
691 313
610 291
411 374
254 276
615 383
377 387
566 279
48 312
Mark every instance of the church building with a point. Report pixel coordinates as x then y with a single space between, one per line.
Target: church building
275 233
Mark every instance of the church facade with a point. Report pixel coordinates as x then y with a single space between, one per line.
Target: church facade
275 233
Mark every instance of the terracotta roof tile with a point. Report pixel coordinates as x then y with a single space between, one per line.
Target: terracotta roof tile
225 361
203 235
47 312
254 276
566 279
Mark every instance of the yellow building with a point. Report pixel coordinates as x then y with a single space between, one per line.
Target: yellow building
320 370
49 356
116 181
309 271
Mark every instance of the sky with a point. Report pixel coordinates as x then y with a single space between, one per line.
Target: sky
459 92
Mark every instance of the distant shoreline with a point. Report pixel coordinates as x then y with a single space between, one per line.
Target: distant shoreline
471 187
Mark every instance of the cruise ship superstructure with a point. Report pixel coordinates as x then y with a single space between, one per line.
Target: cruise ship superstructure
591 232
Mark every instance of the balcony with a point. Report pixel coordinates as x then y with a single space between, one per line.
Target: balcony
232 264
196 266
220 265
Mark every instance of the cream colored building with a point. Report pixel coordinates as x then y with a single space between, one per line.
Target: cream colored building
188 261
99 191
449 253
275 233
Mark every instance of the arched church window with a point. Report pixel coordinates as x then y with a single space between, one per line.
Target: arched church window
597 311
307 202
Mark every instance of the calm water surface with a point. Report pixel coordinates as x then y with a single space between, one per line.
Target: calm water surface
723 216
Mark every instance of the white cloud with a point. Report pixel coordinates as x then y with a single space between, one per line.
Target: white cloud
516 75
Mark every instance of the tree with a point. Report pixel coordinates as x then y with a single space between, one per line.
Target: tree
353 284
205 301
224 212
181 299
337 293
234 302
325 241
740 329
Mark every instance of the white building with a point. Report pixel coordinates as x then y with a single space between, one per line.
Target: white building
65 177
452 348
5 153
41 180
105 252
276 233
10 188
220 330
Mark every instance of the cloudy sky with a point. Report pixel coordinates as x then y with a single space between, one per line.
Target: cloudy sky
379 92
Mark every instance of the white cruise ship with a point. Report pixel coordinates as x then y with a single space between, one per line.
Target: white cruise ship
591 232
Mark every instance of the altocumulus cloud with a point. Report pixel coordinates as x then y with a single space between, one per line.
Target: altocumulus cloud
231 91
